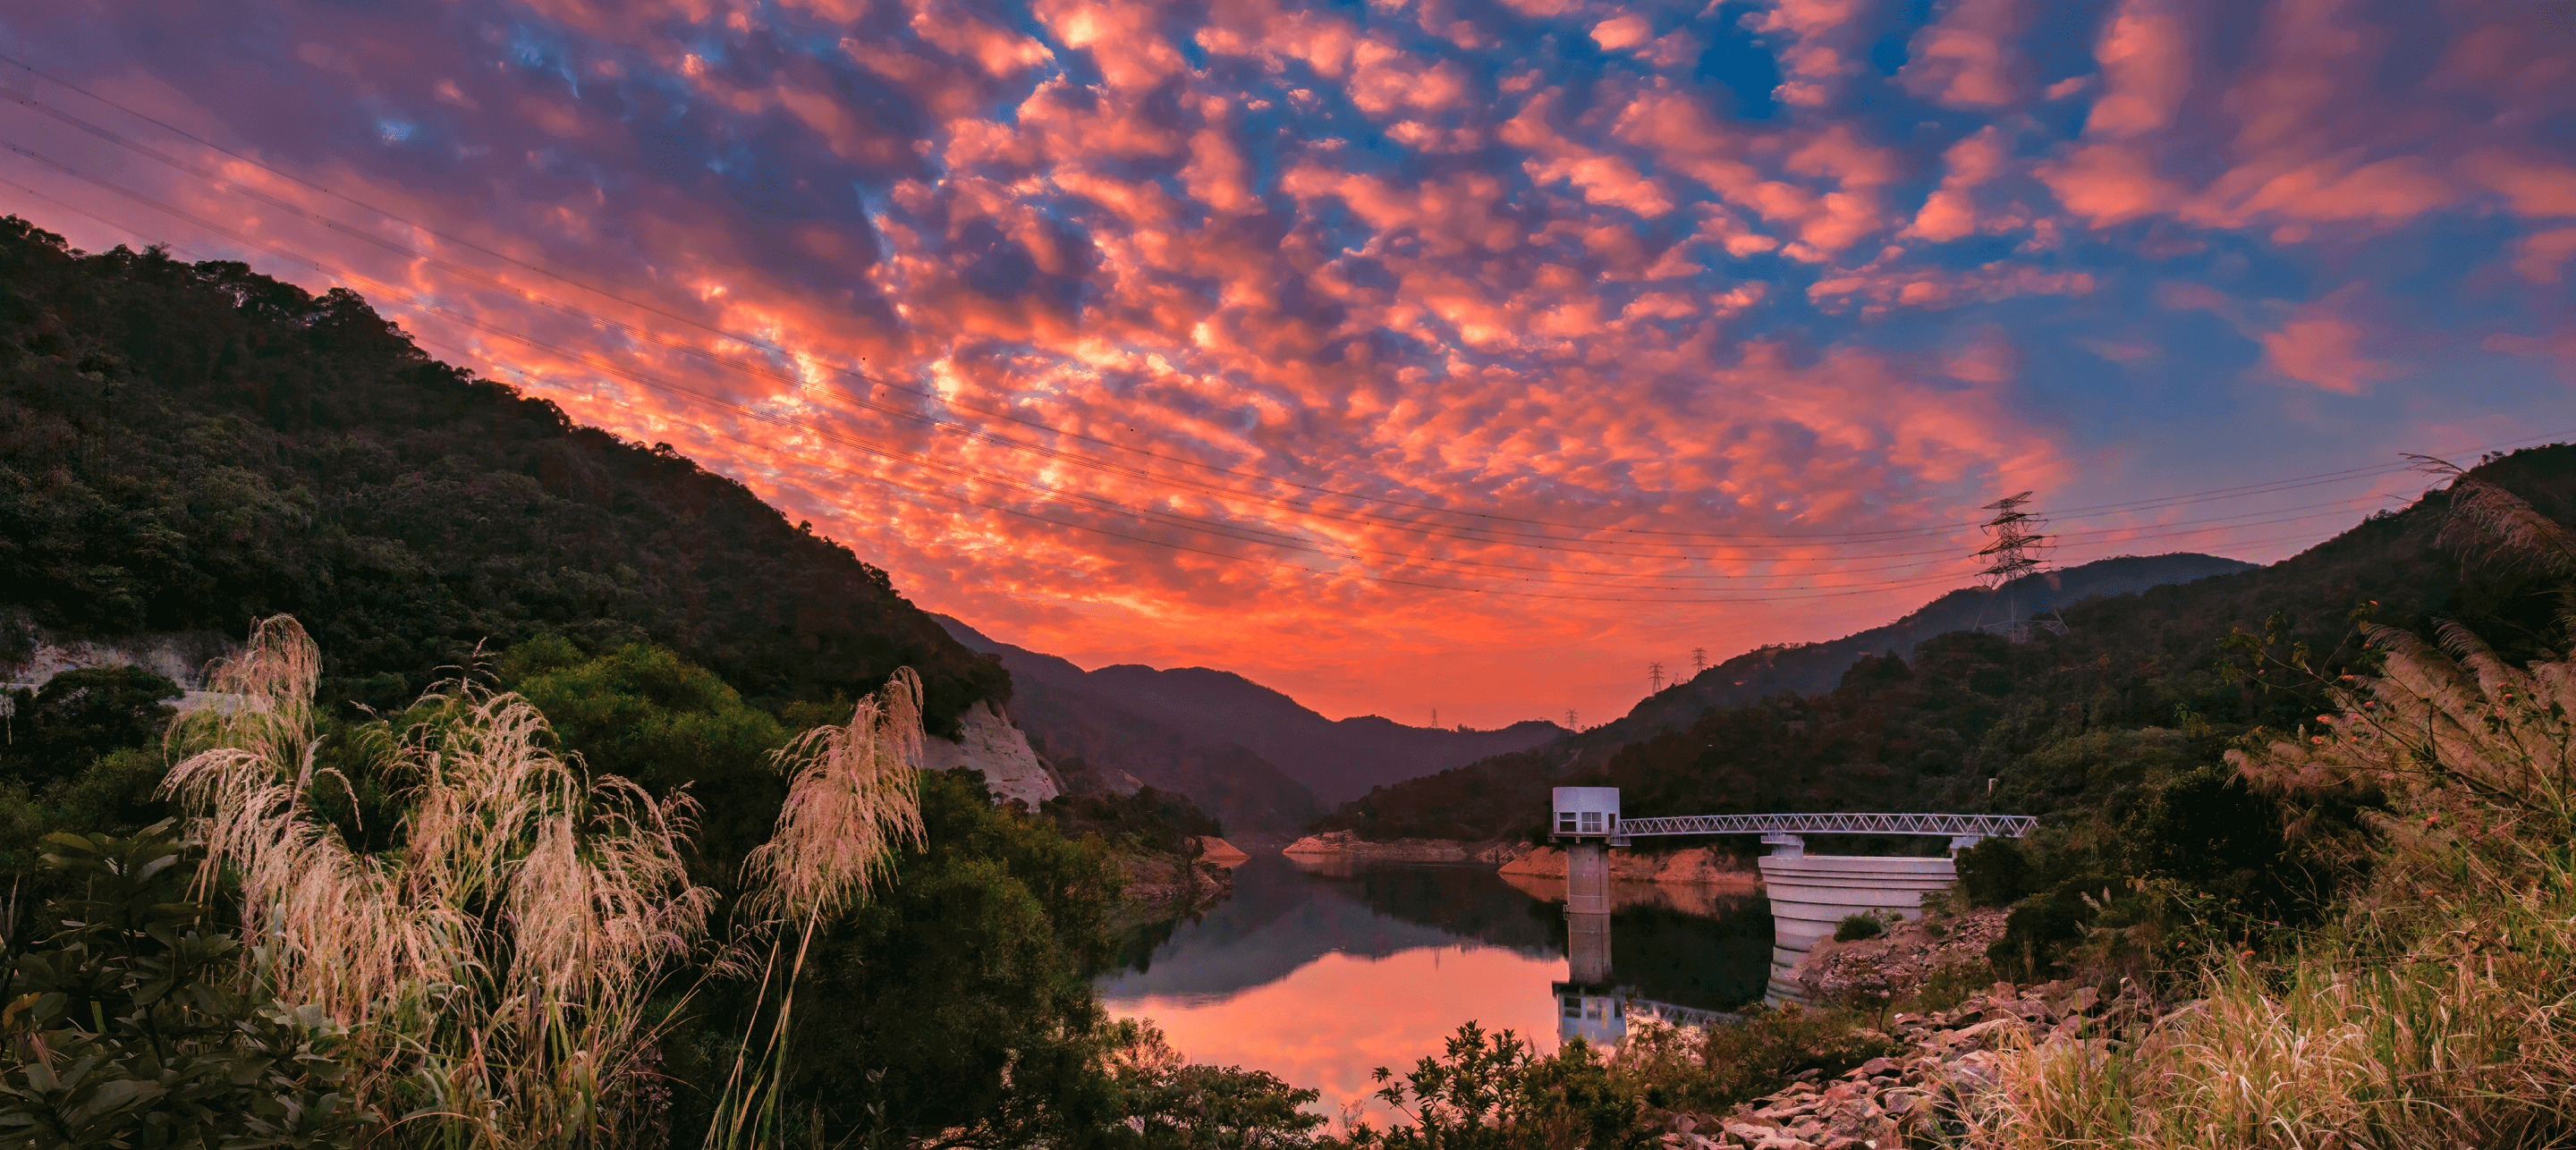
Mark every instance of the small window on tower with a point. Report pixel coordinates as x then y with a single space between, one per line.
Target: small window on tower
1565 822
1592 823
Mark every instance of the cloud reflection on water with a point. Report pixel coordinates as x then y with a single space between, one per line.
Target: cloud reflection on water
1322 976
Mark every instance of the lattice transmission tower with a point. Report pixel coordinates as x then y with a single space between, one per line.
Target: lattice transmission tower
1655 675
1699 659
2016 549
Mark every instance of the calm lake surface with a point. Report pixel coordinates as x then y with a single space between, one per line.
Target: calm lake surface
1321 974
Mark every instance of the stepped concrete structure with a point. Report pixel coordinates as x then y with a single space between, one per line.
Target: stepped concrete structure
1810 894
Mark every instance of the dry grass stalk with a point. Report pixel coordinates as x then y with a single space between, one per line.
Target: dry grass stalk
498 962
853 800
2486 518
2440 1013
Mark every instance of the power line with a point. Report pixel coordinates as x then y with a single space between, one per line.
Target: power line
1821 539
1822 592
1239 532
398 248
1229 530
1099 504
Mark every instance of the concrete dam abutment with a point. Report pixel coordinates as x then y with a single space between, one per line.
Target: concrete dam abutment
1810 894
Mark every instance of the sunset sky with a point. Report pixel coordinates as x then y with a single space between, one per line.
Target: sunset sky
1408 353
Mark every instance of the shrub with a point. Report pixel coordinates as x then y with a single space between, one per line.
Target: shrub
1856 927
137 1024
1710 1071
1993 873
1492 1091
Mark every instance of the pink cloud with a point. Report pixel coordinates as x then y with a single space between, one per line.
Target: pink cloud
1951 212
2532 186
2145 55
1966 57
2540 256
1623 31
1602 177
1815 36
2320 345
2109 184
1121 36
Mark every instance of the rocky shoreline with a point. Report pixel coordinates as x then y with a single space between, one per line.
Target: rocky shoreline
1691 865
1348 845
1916 1098
1514 859
1163 884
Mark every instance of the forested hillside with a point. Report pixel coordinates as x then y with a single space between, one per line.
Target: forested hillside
2144 687
1814 668
192 446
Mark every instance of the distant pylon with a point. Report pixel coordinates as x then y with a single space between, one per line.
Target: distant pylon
2017 549
1699 659
1655 675
1569 720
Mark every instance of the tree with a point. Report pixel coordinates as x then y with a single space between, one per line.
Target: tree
642 712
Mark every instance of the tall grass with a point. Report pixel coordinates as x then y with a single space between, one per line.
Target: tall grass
853 799
493 968
2438 1012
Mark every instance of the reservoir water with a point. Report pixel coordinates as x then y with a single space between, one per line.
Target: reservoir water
1321 974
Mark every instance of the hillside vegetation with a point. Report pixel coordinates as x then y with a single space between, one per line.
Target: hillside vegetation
2144 687
1814 668
189 446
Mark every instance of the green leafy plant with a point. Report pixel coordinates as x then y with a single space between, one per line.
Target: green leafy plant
1492 1091
140 1025
1856 927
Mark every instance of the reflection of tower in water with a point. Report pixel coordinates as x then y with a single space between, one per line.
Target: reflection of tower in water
1589 1005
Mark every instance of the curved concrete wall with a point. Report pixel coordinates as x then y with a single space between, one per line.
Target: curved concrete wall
1812 894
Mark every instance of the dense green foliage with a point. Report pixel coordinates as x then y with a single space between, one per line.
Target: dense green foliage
124 1026
957 1007
187 446
82 754
1491 1091
1855 927
642 712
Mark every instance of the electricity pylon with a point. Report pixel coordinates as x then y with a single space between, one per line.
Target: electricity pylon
2018 549
1655 675
1699 659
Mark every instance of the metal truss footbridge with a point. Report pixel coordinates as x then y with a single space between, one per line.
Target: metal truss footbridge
1954 826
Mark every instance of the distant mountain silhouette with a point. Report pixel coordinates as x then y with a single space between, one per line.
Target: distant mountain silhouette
1814 668
1220 738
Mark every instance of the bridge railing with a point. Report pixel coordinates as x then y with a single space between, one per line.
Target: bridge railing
1980 826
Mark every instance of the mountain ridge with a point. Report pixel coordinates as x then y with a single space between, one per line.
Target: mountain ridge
1809 668
1208 710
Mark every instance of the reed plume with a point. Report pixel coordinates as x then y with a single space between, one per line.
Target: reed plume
2440 1011
496 964
853 800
